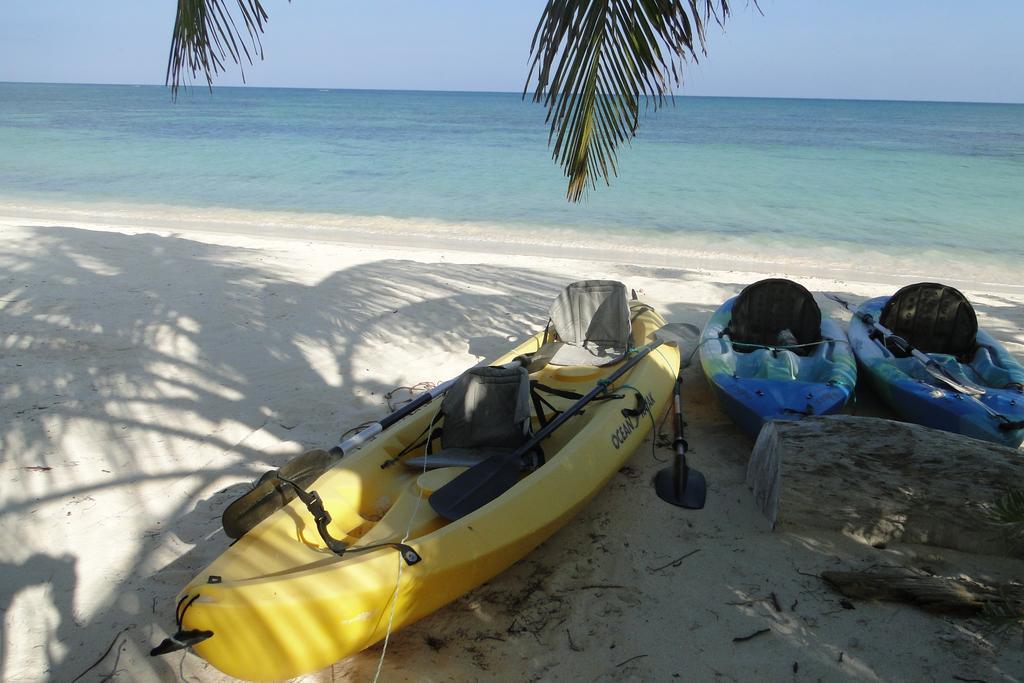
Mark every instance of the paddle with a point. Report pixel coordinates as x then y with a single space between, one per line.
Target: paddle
376 428
680 484
487 480
929 363
934 369
268 495
255 505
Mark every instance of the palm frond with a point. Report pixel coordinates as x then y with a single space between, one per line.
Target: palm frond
1002 616
1008 510
597 62
206 35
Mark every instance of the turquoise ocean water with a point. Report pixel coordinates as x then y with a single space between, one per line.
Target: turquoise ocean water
930 184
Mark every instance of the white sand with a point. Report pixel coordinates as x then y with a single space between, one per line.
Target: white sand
157 370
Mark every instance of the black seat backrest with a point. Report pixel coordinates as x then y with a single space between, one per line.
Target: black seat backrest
487 407
765 309
934 318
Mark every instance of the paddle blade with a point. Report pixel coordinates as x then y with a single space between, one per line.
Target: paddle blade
943 377
683 335
267 497
689 491
477 486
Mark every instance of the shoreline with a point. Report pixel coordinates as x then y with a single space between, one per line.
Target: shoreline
150 374
641 249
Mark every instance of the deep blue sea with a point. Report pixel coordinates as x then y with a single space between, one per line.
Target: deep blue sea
827 179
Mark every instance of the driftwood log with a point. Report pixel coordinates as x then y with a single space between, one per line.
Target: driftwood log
882 481
958 596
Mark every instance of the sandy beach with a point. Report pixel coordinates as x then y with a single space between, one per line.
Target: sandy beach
150 371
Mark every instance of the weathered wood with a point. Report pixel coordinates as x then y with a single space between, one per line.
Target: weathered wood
882 481
938 594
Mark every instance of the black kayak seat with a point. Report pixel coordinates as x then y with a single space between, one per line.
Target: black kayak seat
772 313
486 412
934 318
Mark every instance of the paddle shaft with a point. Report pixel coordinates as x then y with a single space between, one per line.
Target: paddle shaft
679 484
576 407
490 478
943 377
409 408
919 356
376 428
680 470
936 370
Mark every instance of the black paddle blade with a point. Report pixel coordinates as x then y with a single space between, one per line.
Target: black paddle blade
688 490
477 486
180 641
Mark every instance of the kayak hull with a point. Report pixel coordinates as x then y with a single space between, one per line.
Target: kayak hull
905 386
280 604
756 386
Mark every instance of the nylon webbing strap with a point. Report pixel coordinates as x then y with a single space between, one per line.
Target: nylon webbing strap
562 393
322 518
539 401
538 407
413 446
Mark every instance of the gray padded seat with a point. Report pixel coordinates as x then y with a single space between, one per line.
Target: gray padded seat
486 412
591 319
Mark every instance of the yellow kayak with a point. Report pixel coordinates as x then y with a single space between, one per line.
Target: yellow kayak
279 603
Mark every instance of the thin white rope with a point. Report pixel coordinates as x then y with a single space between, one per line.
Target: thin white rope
401 562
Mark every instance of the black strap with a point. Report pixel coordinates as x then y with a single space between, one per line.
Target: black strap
435 433
181 638
428 442
322 518
562 393
571 395
179 641
640 409
539 401
538 407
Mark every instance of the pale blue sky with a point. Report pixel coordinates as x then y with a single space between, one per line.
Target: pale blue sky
865 49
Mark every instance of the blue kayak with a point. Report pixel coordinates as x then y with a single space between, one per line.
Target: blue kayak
769 356
938 321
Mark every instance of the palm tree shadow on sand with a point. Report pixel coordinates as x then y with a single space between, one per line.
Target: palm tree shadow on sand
198 368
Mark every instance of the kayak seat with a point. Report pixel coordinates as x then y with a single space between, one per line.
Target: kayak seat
591 323
934 318
775 312
486 412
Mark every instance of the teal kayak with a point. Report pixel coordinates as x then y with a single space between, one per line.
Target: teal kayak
768 355
966 382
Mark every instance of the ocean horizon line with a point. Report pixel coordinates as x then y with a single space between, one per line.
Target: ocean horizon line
713 175
190 87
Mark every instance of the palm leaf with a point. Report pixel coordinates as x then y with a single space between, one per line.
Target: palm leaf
206 35
1008 510
597 62
1003 616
